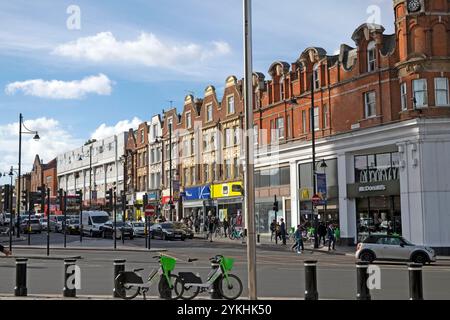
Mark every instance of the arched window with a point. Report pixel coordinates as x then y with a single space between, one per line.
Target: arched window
316 76
371 57
282 89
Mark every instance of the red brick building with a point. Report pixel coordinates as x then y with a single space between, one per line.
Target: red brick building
44 174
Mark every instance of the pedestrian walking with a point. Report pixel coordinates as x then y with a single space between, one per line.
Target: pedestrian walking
5 251
211 226
283 231
322 232
337 235
331 238
225 227
273 229
299 245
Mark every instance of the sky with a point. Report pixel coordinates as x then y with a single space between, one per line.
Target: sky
83 69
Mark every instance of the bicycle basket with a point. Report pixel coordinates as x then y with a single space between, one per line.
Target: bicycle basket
168 263
227 263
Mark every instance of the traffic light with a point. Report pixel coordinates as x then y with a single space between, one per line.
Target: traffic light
275 206
24 199
60 199
40 197
5 197
109 198
79 197
145 200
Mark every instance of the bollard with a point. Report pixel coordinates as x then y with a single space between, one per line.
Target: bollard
311 280
69 290
259 238
363 292
119 266
21 278
415 281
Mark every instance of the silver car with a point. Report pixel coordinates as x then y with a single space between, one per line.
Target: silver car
393 248
138 228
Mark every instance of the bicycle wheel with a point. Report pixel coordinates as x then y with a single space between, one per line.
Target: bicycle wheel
178 287
124 291
189 293
230 288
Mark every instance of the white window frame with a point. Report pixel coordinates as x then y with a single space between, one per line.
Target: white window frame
436 90
367 114
325 112
371 62
282 95
209 111
279 126
316 75
188 120
316 119
304 122
425 91
230 106
404 96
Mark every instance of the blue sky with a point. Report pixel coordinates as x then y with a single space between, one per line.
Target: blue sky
131 57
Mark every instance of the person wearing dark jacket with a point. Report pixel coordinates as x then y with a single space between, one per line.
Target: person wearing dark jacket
283 231
322 232
331 237
4 250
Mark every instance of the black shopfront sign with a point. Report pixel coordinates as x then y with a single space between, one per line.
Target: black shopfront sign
375 189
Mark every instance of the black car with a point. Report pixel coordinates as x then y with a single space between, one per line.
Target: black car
122 230
189 232
167 231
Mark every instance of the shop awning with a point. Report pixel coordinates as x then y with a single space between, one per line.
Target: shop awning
193 204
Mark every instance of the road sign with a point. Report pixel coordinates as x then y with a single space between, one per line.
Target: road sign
150 210
316 199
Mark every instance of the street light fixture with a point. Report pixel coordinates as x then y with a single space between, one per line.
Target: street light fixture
35 138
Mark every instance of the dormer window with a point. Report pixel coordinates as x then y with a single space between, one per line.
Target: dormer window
209 113
316 75
371 57
282 89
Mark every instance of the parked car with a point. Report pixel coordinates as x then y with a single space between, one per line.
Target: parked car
34 226
5 218
393 248
93 221
73 226
138 228
189 232
124 230
167 231
57 224
44 223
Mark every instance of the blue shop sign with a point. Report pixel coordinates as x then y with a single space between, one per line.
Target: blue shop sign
153 196
197 193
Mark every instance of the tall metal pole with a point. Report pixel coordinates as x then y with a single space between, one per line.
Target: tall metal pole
18 187
314 171
249 153
90 176
170 172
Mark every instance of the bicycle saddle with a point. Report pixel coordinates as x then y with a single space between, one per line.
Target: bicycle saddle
138 270
192 260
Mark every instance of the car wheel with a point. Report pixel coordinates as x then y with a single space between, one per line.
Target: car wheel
367 256
420 258
91 234
164 237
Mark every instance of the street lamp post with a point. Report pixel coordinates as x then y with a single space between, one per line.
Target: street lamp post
90 174
249 199
36 138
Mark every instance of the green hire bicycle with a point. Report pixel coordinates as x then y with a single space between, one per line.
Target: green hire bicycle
130 284
229 286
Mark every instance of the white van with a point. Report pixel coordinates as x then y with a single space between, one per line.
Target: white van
92 222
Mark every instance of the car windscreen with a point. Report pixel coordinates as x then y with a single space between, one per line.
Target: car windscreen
100 219
138 225
34 221
74 221
167 225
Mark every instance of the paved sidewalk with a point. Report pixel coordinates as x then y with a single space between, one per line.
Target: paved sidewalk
265 243
81 248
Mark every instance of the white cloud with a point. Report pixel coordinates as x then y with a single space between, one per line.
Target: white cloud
147 50
56 89
54 140
104 131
